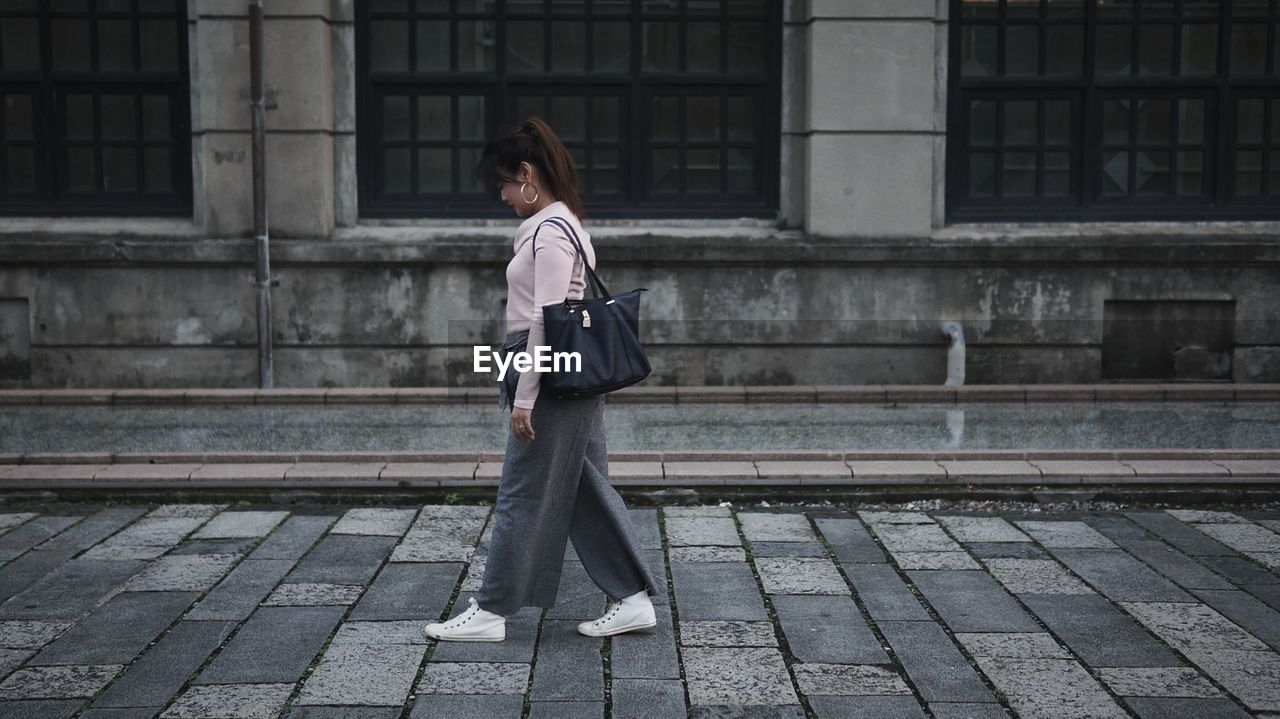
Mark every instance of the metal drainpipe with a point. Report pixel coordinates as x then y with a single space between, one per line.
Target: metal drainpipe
955 353
262 276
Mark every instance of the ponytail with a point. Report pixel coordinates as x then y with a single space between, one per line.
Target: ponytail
536 143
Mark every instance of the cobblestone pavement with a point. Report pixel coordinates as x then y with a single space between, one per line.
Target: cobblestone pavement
185 611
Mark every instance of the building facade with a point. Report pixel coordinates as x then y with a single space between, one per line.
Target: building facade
810 189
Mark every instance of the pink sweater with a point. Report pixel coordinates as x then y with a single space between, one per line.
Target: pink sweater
546 274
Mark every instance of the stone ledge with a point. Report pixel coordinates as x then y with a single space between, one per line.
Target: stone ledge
733 394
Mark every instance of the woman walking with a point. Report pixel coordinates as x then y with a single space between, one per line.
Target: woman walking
555 474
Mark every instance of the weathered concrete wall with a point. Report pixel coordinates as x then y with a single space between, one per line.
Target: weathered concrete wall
389 307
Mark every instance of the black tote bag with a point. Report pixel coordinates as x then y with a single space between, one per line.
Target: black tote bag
604 331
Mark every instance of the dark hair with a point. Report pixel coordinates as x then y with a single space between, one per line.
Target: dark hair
534 142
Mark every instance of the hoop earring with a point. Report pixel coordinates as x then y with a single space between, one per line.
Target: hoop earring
535 194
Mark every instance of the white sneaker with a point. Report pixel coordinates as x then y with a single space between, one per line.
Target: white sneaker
633 612
473 625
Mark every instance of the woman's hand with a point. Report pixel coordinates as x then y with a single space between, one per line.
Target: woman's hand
522 424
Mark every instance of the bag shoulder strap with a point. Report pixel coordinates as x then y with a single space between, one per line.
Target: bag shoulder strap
596 284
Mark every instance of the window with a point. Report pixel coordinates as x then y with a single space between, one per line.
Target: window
1114 109
95 104
669 107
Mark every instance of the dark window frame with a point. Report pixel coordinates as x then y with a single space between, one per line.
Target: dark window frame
633 86
1086 200
49 88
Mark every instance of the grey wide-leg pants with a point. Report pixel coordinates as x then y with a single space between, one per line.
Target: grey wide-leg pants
557 488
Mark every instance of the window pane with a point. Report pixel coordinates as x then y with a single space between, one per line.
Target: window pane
1057 174
741 120
159 45
982 122
1275 121
703 171
119 169
18 123
703 47
524 46
1115 121
471 118
434 121
114 45
748 51
1154 120
395 118
1190 173
1274 187
388 46
1019 122
605 118
1022 50
666 118
1200 8
1155 50
666 170
70 44
475 46
659 47
118 118
741 170
435 169
158 6
1114 45
468 158
1248 172
611 51
1115 173
704 118
1157 9
79 120
1191 121
1065 8
978 9
395 170
21 169
1019 174
1065 50
1023 8
1114 8
20 40
982 174
432 37
569 118
1249 120
1057 122
978 47
1153 172
608 171
569 46
81 169
1248 49
1199 49
157 170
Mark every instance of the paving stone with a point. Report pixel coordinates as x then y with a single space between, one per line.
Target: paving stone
1175 565
16 541
363 674
717 590
117 631
162 671
323 712
301 594
193 572
1049 688
93 528
468 706
648 699
577 596
239 546
768 527
236 596
62 682
1247 611
884 594
645 522
827 630
1099 633
938 670
1241 571
275 644
161 531
697 511
1120 577
39 709
408 590
876 517
649 654
566 710
11 659
732 676
71 590
786 549
849 541
1189 626
708 554
1252 676
522 632
1162 708
440 539
849 680
1206 516
186 509
473 678
403 631
430 513
230 701
1066 535
240 524
119 713
30 633
935 560
702 531
1006 550
1179 535
970 601
293 538
1035 576
982 529
890 707
21 573
1117 528
343 559
725 633
9 520
1244 538
1012 645
962 710
898 538
800 575
568 666
384 521
1157 682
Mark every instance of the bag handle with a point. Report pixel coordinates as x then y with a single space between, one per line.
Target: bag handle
573 236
